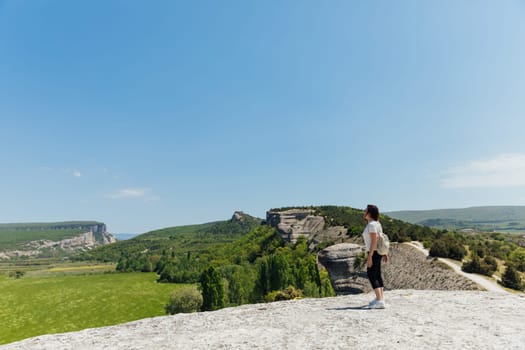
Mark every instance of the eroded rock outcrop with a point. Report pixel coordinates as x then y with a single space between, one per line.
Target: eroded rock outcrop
339 260
297 222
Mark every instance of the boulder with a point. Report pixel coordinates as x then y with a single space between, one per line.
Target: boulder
339 260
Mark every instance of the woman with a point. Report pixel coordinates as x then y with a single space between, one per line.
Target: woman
373 263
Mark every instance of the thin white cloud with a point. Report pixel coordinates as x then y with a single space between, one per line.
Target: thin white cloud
62 171
506 170
129 193
134 193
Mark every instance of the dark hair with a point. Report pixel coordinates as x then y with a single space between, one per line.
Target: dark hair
373 211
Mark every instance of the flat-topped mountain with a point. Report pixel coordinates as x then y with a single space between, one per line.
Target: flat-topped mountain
51 239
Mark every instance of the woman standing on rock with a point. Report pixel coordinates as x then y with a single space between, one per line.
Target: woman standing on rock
373 263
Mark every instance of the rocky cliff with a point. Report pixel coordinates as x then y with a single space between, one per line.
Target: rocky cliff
297 222
93 235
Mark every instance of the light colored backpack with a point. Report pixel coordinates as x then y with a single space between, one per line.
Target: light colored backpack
383 243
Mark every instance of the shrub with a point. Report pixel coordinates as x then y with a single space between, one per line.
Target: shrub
399 237
16 274
456 251
438 249
184 300
288 293
486 266
360 261
311 290
518 259
479 250
491 263
448 247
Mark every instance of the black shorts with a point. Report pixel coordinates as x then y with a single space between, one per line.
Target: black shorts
374 272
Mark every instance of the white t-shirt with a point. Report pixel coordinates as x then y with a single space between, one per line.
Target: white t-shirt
373 226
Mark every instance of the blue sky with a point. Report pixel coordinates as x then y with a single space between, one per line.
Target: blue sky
147 114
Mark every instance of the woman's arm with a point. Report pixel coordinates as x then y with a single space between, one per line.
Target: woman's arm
373 245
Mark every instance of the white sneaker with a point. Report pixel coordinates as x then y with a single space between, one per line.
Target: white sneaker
379 304
372 302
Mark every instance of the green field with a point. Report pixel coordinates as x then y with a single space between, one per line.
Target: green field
42 303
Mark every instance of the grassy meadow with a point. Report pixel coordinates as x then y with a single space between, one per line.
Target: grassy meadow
63 299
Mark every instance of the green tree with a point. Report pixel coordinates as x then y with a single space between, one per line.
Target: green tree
438 249
326 285
279 272
511 278
311 289
240 283
263 282
212 289
517 257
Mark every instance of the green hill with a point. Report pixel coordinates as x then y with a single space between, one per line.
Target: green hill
186 239
509 219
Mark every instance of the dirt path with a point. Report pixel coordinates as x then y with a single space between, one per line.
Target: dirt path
490 285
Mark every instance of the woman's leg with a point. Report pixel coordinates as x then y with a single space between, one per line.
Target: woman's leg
376 260
374 275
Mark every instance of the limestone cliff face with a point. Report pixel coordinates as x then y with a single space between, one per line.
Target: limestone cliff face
93 236
86 240
295 223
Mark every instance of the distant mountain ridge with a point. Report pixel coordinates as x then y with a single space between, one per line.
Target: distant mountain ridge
125 236
483 218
